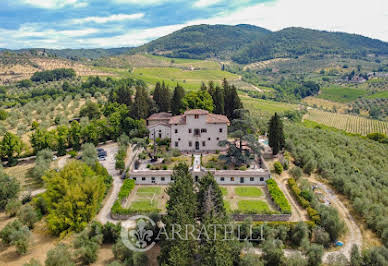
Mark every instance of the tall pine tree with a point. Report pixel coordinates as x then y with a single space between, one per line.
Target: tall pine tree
176 101
232 101
181 211
215 248
157 93
276 135
219 101
141 107
164 99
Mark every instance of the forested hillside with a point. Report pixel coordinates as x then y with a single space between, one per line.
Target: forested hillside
204 41
293 42
245 43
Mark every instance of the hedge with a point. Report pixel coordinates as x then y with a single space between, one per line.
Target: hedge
278 196
313 213
126 188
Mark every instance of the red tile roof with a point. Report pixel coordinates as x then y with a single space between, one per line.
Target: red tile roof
178 119
196 112
160 116
217 119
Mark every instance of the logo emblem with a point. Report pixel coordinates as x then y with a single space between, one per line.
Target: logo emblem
135 235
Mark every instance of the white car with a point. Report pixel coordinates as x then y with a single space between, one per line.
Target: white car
55 158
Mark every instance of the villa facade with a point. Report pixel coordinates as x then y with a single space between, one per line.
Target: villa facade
194 131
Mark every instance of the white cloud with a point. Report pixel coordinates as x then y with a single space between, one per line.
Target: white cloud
140 2
52 4
206 3
112 18
332 15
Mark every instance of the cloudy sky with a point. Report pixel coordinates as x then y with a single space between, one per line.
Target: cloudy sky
118 23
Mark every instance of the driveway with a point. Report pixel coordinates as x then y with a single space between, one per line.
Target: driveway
104 215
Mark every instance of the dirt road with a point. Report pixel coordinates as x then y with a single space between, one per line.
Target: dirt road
353 235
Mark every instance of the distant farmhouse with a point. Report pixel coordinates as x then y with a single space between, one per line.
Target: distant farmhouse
194 131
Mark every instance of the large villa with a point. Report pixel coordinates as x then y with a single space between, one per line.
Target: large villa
196 132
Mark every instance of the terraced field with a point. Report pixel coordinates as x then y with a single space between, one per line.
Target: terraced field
258 107
188 78
349 123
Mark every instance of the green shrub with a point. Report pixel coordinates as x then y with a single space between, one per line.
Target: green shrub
296 172
126 188
278 196
243 168
72 154
278 168
13 206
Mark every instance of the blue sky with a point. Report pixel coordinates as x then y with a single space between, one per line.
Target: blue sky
118 23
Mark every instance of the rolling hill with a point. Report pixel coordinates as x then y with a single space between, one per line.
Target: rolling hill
246 43
205 41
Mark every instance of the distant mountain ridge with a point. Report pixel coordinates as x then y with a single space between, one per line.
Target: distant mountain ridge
246 43
205 41
242 43
74 54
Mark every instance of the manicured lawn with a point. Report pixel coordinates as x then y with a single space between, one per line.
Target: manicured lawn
156 190
143 205
341 94
224 191
227 206
253 207
248 191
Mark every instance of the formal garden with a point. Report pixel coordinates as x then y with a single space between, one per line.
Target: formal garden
247 200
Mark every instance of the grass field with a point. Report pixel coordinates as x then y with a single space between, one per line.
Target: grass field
189 79
253 206
155 190
341 94
259 106
248 192
325 104
349 123
144 205
224 191
382 94
227 206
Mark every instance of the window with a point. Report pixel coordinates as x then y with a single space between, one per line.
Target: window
143 178
190 144
176 143
218 138
251 179
160 130
232 179
153 178
162 178
208 139
203 143
196 132
220 130
222 179
190 130
134 178
176 131
196 116
203 130
261 178
179 139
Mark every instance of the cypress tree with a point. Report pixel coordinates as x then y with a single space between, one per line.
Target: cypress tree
219 101
276 135
203 87
164 99
141 107
214 250
232 101
181 210
176 101
157 93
